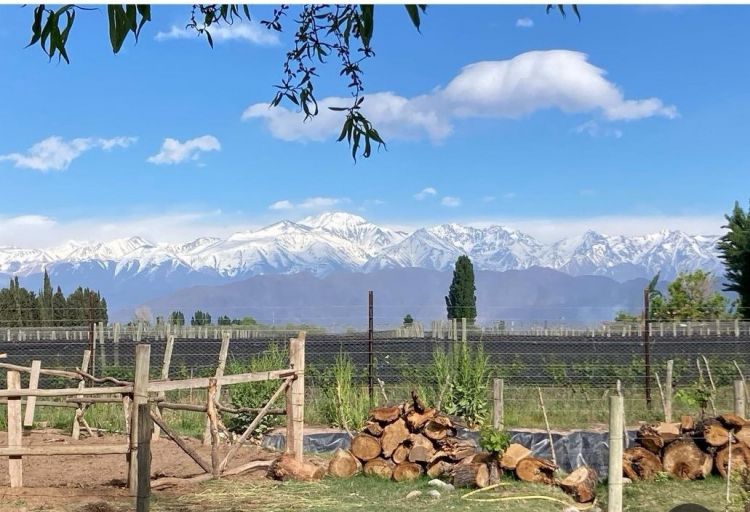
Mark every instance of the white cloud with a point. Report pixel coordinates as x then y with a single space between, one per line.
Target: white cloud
450 201
249 32
281 205
425 193
594 129
56 154
311 203
502 89
524 23
174 152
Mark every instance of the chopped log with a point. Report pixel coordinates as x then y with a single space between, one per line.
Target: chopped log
401 454
437 428
687 424
684 460
417 404
379 467
439 468
740 459
287 467
365 447
743 435
386 414
471 475
668 431
373 428
344 464
640 464
711 433
581 484
407 471
458 449
649 438
393 435
512 455
422 449
416 420
732 421
535 470
495 471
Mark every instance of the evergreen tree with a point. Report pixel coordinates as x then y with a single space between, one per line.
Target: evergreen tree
200 318
408 320
59 308
176 318
690 296
224 320
461 301
734 247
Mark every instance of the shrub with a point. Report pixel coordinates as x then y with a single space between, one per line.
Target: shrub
494 440
344 403
463 374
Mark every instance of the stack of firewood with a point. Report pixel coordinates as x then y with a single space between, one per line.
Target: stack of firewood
689 449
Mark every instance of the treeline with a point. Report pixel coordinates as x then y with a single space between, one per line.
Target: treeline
20 307
203 318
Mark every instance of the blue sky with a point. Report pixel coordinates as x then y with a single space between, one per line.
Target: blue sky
632 120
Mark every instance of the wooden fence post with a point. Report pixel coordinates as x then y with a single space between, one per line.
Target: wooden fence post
28 419
614 479
116 343
102 349
15 430
164 376
668 392
739 398
295 398
78 417
140 396
223 353
145 424
498 404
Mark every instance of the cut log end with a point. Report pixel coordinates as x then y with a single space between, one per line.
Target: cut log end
740 459
581 484
535 470
407 471
685 461
512 455
287 467
365 447
386 414
379 468
344 464
640 464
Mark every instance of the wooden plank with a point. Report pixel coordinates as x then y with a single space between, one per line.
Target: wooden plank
119 390
174 436
15 429
76 434
42 403
140 396
295 398
49 450
166 363
223 353
143 494
28 420
198 383
42 371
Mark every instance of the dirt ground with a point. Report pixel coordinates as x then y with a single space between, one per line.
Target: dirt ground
97 483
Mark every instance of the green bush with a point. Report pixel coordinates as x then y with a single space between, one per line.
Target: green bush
344 404
463 375
494 440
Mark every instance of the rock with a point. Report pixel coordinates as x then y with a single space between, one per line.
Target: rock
435 482
413 494
570 509
626 480
433 493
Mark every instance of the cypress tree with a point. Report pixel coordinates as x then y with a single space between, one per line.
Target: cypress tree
59 308
734 247
461 301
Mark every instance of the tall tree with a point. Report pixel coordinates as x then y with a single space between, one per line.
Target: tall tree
461 300
734 248
690 296
59 308
177 318
200 318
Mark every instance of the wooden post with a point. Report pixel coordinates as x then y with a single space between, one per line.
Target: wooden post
370 349
614 480
28 419
295 398
102 355
223 352
15 430
140 396
164 376
116 343
647 348
739 398
463 329
668 392
498 404
213 421
76 434
145 424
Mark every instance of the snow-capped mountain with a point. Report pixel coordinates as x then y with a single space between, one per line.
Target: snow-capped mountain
339 241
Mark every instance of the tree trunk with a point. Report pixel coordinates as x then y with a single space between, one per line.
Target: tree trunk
365 447
379 467
512 455
640 464
344 464
581 484
422 449
393 435
684 460
400 454
407 471
386 414
535 470
287 467
471 475
740 459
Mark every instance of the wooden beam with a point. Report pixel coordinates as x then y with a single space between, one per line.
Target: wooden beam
145 426
223 353
42 371
28 420
295 398
48 450
167 481
166 363
41 403
119 390
240 378
174 436
76 433
140 396
15 429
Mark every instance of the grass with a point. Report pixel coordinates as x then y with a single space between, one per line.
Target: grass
372 494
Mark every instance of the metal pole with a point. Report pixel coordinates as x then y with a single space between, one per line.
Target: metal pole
371 356
646 348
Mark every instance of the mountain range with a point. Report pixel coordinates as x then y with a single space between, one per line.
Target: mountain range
133 270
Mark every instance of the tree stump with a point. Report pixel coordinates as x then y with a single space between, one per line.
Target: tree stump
393 435
581 484
344 464
740 459
473 475
287 467
365 447
536 471
639 463
379 467
407 471
684 460
512 455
